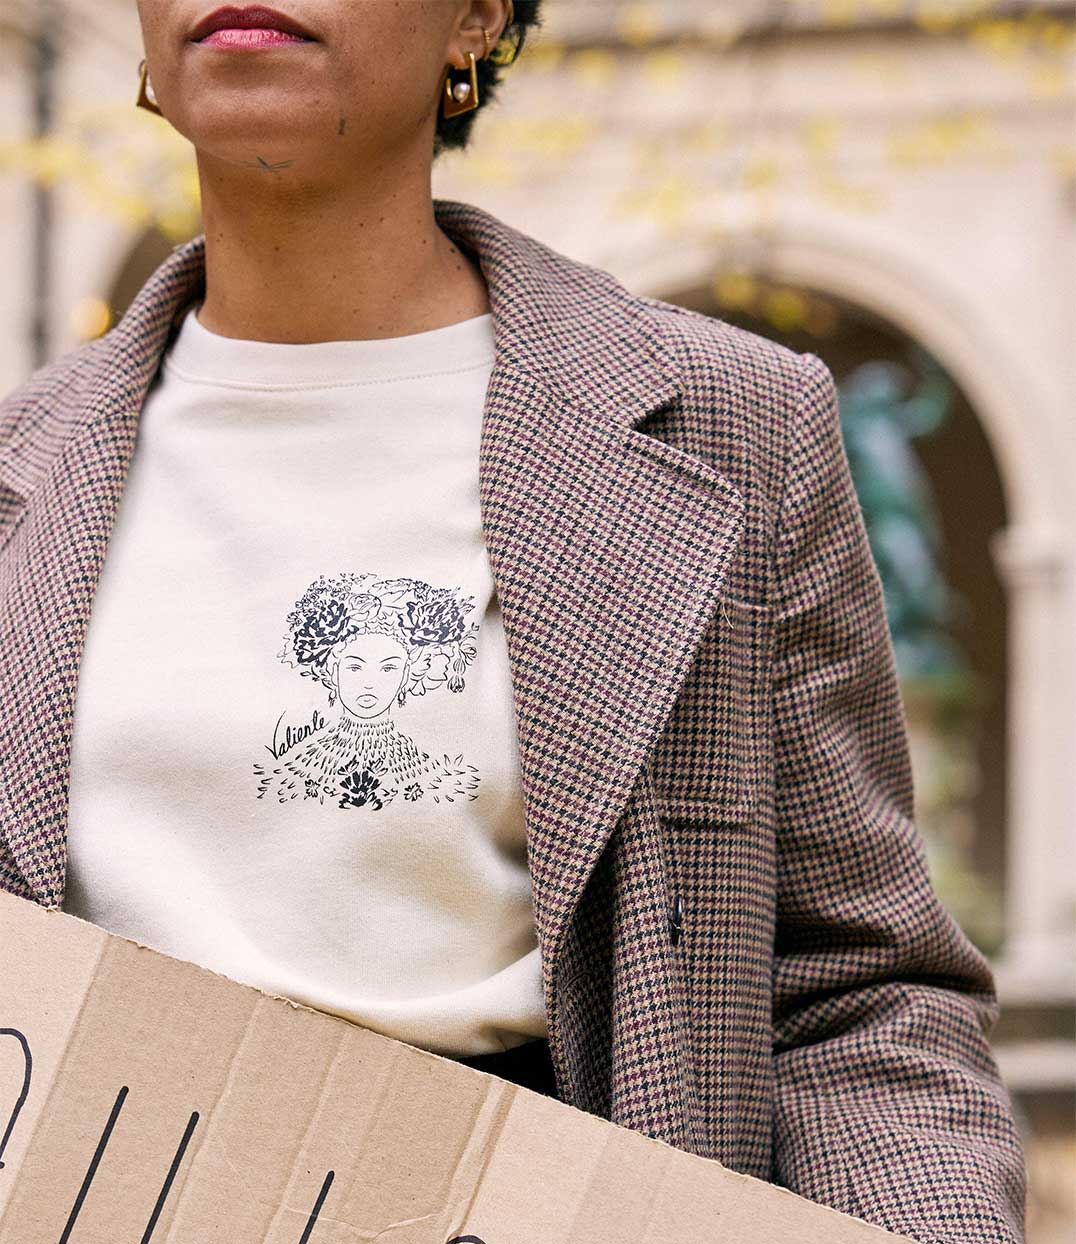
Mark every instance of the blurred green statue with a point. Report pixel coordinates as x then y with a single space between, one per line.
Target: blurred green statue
880 421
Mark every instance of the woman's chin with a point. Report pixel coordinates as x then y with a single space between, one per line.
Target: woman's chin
364 712
256 145
229 125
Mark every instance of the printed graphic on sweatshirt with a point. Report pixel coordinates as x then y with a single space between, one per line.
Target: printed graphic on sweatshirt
373 644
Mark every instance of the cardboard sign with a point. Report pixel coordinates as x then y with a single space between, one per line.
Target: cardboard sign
147 1099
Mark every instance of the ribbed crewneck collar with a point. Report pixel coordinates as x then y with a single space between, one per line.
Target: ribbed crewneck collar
207 357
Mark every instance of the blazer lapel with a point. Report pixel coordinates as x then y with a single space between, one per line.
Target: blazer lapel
66 463
608 548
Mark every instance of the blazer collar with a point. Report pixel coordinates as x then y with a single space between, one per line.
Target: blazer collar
572 327
608 548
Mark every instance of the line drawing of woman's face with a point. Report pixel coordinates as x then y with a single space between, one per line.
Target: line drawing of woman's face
369 672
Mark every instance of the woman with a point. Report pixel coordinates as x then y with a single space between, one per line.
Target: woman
689 895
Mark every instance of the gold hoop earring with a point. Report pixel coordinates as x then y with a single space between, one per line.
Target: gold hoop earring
146 98
460 97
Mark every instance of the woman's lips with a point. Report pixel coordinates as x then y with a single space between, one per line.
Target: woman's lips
246 38
255 26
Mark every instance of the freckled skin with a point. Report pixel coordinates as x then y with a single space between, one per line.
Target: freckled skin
384 60
314 164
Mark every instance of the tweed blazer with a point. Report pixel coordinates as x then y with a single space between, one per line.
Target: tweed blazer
742 953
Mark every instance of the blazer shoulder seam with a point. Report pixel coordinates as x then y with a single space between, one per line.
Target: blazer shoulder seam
695 338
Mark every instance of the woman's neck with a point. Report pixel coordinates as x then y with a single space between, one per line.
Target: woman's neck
295 262
355 727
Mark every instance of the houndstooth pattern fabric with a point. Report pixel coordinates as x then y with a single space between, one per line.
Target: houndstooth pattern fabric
742 953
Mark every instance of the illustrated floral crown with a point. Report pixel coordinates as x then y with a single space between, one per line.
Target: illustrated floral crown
428 622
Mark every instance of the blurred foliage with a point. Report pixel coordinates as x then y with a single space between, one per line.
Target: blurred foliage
142 175
132 166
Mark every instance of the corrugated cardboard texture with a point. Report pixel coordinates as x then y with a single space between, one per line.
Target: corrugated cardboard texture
169 1105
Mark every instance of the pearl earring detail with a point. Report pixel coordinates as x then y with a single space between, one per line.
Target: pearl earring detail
460 97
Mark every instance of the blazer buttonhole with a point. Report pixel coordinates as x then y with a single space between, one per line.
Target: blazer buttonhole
676 919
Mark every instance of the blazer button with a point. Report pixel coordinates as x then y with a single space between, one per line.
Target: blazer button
676 920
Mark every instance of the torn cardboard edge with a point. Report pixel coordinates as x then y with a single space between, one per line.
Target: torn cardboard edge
146 1098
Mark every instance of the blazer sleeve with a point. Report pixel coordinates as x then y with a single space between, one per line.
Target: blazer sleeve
889 1103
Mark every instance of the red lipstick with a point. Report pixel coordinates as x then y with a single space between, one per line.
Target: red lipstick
249 28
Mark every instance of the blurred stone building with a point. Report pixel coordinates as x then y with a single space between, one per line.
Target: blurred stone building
889 184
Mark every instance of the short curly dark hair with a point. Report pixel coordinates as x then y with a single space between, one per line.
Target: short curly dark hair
456 131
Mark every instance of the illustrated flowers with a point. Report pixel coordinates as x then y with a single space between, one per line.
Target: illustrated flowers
437 619
430 624
361 787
